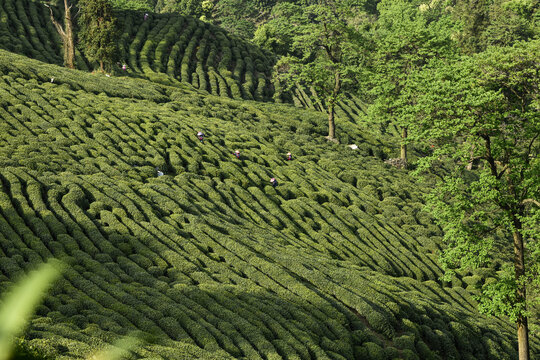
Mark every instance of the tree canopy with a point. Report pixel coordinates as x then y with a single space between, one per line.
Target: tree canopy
98 31
486 108
405 38
325 50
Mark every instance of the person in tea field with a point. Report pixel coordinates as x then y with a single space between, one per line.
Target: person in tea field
200 136
124 67
289 156
159 172
146 16
273 181
237 154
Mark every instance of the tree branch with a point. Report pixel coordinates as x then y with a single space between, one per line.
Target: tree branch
529 148
489 157
56 23
504 168
73 17
527 201
329 53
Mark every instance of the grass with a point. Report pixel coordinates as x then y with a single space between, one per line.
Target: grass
337 262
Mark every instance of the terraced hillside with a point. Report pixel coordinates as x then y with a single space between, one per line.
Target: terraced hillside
350 108
168 48
181 47
337 262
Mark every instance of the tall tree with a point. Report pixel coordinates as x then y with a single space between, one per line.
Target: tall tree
328 51
407 36
66 34
98 31
488 106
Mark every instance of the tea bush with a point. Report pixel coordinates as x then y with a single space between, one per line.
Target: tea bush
209 257
153 48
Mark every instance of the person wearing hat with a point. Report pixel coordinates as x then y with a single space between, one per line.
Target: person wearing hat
200 136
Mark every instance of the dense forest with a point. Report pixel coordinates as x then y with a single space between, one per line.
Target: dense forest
402 138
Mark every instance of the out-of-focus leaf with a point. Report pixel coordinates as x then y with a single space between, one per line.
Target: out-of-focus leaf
19 304
119 349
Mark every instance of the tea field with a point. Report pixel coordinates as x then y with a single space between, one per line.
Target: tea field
336 262
180 47
168 48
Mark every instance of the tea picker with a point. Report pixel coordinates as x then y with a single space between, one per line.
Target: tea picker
273 181
200 136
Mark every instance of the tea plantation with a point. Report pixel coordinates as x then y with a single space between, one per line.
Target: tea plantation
336 262
167 48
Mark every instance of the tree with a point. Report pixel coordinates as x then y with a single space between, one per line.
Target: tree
141 5
236 16
494 22
66 34
328 52
277 34
98 31
488 106
406 37
185 7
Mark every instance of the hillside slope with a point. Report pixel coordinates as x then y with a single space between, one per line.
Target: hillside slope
167 48
337 262
180 47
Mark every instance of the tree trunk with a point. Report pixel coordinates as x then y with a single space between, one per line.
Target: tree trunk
403 145
101 66
519 266
331 107
331 123
66 33
471 161
523 338
69 42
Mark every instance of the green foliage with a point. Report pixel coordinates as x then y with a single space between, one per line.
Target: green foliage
405 38
277 34
98 31
486 108
170 53
20 302
336 262
120 349
494 22
133 4
185 7
328 51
